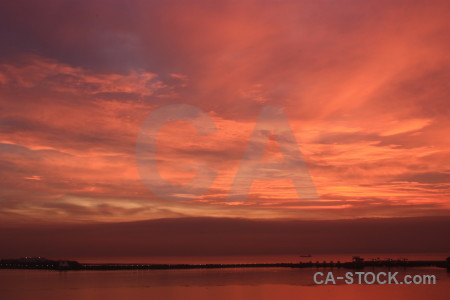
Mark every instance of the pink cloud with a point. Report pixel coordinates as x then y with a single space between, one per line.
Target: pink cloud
363 85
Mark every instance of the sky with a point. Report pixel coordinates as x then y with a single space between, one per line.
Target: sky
197 238
362 84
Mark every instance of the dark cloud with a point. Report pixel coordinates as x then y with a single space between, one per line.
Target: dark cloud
426 177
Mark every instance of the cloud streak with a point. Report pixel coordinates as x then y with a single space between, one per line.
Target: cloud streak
364 85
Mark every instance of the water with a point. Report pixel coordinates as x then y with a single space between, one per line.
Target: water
249 284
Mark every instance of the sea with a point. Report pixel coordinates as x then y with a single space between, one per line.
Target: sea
216 284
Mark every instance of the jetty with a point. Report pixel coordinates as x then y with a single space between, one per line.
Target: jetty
356 263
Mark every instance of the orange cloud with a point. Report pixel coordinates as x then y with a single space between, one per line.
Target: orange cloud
362 83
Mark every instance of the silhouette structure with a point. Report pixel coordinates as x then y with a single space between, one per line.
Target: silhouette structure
67 265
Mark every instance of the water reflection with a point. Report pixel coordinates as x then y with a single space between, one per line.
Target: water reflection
205 284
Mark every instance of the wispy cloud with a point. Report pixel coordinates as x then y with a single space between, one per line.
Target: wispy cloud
363 83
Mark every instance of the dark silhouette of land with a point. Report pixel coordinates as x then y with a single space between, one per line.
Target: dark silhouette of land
66 265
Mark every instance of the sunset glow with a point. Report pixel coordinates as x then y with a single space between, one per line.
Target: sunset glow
364 85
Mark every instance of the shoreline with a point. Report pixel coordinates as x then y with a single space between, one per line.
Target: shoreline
357 263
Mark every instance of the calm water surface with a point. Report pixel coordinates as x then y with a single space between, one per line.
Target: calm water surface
258 283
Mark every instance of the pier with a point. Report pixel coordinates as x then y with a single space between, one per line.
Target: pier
357 263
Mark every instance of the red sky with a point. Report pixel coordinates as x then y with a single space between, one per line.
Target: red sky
200 237
364 85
